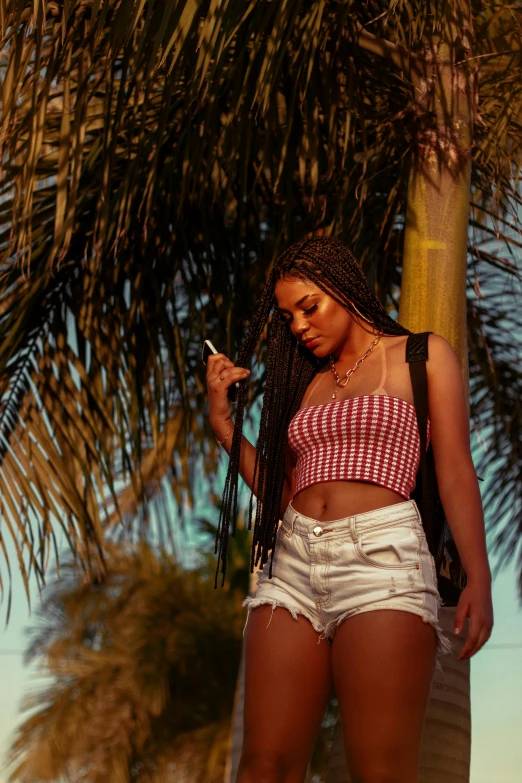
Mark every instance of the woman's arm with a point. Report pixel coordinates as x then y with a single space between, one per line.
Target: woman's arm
456 476
247 457
222 373
459 488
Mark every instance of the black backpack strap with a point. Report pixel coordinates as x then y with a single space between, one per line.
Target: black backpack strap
417 356
426 493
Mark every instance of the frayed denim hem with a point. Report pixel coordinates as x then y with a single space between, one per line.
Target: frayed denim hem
253 603
443 643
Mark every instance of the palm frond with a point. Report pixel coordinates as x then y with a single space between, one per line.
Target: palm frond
494 323
155 158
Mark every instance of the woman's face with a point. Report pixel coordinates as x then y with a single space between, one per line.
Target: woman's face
315 319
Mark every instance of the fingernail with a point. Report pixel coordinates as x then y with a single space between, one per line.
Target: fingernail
457 630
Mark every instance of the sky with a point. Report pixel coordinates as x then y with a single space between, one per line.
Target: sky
496 686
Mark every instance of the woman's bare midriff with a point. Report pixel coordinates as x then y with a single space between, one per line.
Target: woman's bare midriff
330 500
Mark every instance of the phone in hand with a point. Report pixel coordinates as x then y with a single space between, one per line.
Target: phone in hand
209 349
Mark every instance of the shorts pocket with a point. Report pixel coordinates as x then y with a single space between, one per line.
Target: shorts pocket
284 535
394 547
425 552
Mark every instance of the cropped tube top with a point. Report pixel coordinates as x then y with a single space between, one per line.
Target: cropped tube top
372 438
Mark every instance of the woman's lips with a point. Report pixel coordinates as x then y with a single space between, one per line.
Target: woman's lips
310 344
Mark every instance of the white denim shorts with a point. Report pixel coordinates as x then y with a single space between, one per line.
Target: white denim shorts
329 571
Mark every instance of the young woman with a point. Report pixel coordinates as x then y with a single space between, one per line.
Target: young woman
336 460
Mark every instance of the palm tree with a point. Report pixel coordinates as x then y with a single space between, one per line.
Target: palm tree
140 672
155 159
157 156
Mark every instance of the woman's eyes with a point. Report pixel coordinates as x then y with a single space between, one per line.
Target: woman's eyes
309 311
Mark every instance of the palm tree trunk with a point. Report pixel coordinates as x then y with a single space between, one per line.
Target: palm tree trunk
433 288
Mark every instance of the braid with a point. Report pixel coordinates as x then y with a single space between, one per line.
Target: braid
289 370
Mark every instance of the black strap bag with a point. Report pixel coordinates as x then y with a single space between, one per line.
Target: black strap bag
450 573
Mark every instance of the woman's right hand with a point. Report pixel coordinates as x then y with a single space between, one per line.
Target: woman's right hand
221 374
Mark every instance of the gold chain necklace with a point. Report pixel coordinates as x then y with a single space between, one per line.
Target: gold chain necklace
343 382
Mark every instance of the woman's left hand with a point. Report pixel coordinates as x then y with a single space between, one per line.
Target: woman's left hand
474 602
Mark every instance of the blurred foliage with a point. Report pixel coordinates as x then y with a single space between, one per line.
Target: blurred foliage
140 671
155 157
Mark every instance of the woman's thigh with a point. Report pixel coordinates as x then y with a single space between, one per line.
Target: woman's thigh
383 663
287 686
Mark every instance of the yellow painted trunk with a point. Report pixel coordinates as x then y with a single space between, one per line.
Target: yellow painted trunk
433 292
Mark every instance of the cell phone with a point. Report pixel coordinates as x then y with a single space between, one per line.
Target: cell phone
209 349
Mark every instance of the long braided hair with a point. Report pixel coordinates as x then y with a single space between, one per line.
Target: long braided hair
289 370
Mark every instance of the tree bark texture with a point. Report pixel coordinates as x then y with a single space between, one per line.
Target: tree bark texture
433 289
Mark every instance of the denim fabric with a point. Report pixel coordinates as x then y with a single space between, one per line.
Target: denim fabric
329 571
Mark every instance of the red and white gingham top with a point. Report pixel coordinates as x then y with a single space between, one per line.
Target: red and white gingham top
371 438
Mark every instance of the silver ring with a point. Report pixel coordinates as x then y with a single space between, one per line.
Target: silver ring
221 377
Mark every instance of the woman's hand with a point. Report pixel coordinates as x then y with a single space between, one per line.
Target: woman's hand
475 602
221 374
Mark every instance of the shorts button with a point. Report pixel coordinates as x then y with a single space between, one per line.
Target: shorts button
318 531
417 567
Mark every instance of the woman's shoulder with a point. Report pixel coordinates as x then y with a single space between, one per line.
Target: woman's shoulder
442 359
440 350
443 369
